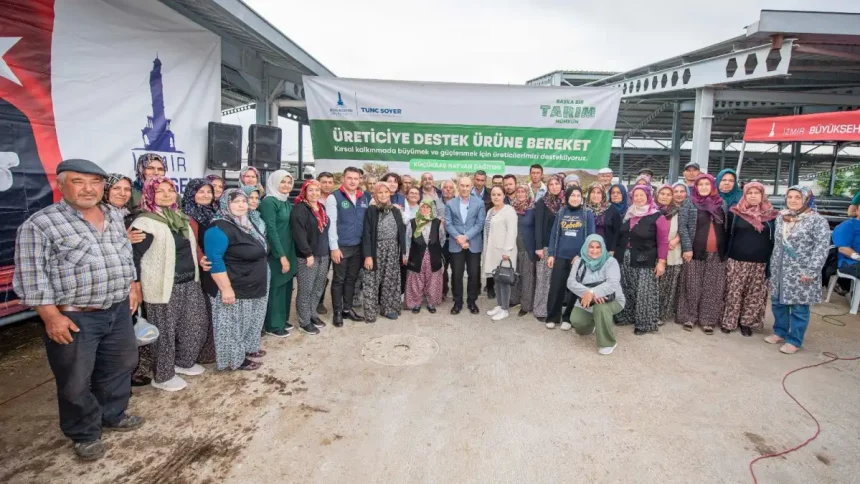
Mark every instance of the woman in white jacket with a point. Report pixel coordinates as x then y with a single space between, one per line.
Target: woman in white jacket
500 244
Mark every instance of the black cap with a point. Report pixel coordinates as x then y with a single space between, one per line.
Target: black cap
691 164
646 171
81 166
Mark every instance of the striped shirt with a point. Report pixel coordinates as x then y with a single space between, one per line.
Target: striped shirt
60 259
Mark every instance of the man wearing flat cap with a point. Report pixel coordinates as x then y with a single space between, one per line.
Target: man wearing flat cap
604 177
74 266
691 172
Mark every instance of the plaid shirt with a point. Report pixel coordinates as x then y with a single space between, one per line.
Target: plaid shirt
60 259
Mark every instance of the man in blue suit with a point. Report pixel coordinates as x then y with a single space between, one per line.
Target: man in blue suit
464 222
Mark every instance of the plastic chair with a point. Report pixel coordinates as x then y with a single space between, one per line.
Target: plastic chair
855 294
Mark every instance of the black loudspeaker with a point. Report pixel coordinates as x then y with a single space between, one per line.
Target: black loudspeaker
264 147
225 147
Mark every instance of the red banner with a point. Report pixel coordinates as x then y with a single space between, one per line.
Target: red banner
837 126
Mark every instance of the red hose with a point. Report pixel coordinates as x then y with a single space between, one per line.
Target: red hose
833 357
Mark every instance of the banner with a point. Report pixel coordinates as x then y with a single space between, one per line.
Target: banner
417 127
100 80
836 126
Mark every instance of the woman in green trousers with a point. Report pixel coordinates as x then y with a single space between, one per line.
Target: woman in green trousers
275 210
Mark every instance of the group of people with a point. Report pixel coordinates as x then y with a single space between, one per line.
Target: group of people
215 268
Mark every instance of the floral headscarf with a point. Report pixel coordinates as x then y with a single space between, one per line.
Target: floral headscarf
211 180
636 212
243 222
600 207
253 214
521 207
111 180
322 218
244 172
756 215
420 220
643 177
143 163
712 203
672 208
202 214
790 215
176 220
735 194
553 202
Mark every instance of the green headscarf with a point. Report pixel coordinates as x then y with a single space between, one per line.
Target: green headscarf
422 221
594 265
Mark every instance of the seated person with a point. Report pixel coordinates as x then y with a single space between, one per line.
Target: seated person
846 238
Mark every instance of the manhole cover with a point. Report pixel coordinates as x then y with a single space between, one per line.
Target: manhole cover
400 350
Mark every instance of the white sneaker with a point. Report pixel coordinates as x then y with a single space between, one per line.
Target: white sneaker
502 314
494 311
173 385
550 325
565 326
194 370
607 350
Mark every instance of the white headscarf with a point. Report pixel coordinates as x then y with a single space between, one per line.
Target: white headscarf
274 181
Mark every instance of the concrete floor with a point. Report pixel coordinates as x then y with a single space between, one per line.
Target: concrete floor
506 402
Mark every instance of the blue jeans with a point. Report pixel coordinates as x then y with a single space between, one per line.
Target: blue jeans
790 321
93 372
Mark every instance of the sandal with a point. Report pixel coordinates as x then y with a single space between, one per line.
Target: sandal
688 326
708 330
249 365
256 354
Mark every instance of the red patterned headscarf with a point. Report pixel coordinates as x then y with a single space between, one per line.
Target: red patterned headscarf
322 218
147 200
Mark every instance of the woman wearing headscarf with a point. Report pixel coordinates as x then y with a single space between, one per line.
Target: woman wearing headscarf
572 225
117 194
799 252
670 207
751 236
197 204
703 285
618 199
309 224
276 211
730 191
238 254
383 246
641 250
167 265
607 218
148 165
254 196
596 281
523 292
545 211
424 236
500 244
250 177
217 184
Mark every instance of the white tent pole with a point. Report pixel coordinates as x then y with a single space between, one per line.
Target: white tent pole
741 158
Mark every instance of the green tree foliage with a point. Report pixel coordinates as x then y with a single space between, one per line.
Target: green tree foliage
846 185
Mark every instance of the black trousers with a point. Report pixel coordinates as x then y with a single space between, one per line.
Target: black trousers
345 275
93 372
471 264
446 262
558 292
325 286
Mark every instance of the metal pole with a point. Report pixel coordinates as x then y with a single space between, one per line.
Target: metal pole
793 167
778 169
675 158
621 160
301 165
740 159
832 183
723 156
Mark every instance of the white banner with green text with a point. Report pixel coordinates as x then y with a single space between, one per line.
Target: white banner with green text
451 128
